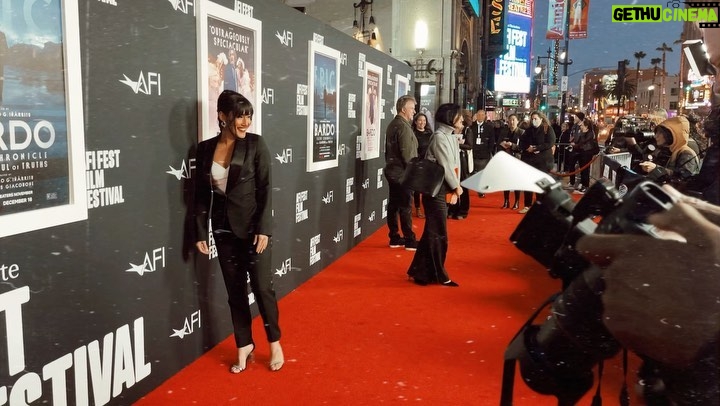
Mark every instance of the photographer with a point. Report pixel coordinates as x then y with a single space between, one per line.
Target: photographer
682 163
668 313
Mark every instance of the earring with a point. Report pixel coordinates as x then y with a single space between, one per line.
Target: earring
222 124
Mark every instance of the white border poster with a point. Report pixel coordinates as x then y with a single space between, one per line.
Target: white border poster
324 103
42 148
402 87
230 58
370 127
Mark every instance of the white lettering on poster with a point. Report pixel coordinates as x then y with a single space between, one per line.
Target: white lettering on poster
105 374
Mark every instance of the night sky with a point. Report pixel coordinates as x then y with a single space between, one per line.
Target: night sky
610 42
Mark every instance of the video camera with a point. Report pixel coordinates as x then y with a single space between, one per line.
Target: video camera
557 357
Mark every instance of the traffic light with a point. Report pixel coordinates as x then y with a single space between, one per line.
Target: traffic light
543 106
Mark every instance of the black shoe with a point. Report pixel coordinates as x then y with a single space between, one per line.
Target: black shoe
397 242
411 245
516 206
450 283
506 204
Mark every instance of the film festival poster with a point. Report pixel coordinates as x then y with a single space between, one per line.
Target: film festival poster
42 178
402 86
372 90
324 78
229 60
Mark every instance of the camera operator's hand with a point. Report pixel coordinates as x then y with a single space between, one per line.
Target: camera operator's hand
648 166
661 297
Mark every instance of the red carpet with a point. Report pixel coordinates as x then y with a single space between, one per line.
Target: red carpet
359 333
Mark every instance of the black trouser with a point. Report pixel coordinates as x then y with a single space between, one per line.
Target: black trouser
400 205
238 259
584 158
428 264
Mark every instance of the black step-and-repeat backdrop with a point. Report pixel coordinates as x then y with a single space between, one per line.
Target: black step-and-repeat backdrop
102 295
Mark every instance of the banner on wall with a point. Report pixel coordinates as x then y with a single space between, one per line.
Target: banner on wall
372 90
324 114
496 19
402 86
512 70
230 58
42 182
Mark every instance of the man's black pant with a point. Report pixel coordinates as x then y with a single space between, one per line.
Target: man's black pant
400 205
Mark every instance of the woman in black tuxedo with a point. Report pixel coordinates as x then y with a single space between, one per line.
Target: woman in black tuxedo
233 210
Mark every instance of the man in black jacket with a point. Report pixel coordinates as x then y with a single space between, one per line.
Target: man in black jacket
483 141
400 147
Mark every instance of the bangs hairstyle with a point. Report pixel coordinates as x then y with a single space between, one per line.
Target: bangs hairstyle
446 113
234 105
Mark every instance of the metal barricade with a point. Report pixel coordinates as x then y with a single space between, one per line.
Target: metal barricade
601 170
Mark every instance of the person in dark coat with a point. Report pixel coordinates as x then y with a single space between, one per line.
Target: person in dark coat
422 132
233 215
510 144
400 147
536 149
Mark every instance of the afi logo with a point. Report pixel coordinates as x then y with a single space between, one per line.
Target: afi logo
268 95
342 150
189 326
343 58
328 198
284 268
372 216
184 171
150 263
366 184
380 178
285 157
286 38
338 236
183 5
144 84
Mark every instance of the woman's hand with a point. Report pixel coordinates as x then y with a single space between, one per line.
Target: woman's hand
260 242
458 191
202 247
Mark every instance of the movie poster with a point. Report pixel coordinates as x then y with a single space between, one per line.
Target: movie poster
372 90
229 59
41 126
402 86
324 78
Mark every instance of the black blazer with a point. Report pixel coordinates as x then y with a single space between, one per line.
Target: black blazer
246 205
487 148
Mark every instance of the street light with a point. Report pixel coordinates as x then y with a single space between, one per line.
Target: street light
560 61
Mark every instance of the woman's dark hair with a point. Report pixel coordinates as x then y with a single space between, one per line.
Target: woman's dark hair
418 115
446 113
234 105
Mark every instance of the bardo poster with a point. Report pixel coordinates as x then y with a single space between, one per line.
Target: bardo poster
323 118
230 59
372 90
42 144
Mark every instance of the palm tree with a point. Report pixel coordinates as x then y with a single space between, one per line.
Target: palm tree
599 94
623 88
654 62
638 55
663 48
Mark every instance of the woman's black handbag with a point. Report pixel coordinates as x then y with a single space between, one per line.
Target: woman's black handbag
424 176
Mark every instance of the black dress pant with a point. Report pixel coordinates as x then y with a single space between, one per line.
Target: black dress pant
238 260
428 264
400 205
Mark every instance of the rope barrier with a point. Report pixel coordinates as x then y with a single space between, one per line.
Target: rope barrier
566 174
